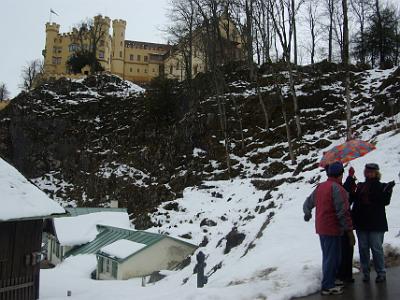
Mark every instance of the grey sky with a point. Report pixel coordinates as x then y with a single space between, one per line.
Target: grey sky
22 26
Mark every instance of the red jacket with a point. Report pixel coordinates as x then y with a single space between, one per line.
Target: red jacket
332 208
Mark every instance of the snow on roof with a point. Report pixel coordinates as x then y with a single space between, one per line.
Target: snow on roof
78 230
20 198
121 249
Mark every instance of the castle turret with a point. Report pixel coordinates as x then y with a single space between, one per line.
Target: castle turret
118 47
52 32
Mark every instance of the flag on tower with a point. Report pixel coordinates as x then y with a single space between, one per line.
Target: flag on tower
53 12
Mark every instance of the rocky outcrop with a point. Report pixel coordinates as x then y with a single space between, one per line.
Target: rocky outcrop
92 141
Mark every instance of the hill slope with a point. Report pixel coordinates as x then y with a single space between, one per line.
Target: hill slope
251 227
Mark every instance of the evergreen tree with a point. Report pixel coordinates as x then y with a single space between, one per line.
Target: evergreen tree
381 39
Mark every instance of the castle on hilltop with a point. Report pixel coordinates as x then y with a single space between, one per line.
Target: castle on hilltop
135 61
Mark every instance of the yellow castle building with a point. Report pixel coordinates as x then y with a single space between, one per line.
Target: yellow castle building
135 61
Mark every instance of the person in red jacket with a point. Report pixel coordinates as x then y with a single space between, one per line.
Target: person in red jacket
333 220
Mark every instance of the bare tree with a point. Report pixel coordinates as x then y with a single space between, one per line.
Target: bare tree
311 18
31 74
346 58
183 14
338 30
281 15
262 23
88 35
287 126
330 9
4 93
209 12
295 7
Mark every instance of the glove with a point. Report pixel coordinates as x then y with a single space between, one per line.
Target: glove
307 218
390 185
352 238
352 172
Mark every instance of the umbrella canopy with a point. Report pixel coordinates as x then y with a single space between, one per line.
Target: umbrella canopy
346 152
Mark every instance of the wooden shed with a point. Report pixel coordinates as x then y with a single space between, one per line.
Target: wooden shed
23 210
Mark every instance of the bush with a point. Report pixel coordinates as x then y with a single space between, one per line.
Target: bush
82 59
163 100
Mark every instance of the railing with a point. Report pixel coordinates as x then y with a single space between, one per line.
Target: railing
20 288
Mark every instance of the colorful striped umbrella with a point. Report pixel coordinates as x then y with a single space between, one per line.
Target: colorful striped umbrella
346 152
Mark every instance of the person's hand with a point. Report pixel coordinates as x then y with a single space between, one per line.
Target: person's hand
352 172
391 185
307 217
352 238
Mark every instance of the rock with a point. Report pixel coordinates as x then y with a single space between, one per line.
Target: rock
208 222
217 195
172 206
204 242
233 239
186 236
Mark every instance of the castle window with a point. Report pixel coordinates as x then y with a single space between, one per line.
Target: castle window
139 58
177 65
56 60
138 70
130 70
120 53
101 54
146 58
102 43
122 34
131 57
145 70
195 69
171 69
154 70
121 43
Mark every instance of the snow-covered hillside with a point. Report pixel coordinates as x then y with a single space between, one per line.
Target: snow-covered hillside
251 227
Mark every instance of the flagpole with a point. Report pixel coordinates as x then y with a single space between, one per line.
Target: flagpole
50 16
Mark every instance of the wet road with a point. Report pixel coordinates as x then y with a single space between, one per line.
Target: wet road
368 291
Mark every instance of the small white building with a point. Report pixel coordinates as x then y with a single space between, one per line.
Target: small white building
139 253
70 233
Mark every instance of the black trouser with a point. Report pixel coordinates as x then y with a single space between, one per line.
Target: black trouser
346 267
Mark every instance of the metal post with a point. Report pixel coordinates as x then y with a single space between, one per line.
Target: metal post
199 269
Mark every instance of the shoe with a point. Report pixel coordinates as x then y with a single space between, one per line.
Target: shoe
339 283
380 279
332 291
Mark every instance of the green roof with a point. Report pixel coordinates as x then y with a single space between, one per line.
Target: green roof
109 234
78 211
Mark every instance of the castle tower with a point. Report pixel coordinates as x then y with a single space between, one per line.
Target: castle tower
118 47
104 46
52 32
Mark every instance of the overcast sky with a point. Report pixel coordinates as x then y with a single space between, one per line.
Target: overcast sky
22 26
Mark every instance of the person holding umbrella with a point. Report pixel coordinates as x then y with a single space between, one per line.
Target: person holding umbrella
332 222
370 222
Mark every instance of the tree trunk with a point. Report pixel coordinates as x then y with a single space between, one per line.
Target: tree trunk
294 31
239 115
294 96
262 104
288 136
381 52
330 39
346 57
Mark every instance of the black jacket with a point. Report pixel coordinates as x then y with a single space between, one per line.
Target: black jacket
369 202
